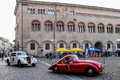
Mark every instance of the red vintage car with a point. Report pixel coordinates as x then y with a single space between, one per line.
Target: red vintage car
71 63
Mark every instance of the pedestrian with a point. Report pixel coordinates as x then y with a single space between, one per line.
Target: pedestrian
47 55
50 56
106 53
34 55
2 55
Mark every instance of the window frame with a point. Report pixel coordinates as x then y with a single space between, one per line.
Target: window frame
32 46
47 46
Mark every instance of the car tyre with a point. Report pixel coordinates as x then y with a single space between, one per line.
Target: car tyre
8 63
55 69
33 65
90 71
19 64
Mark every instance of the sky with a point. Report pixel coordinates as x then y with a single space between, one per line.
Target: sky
8 19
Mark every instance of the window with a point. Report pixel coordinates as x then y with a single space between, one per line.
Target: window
61 45
71 27
81 27
100 28
117 29
74 45
118 45
86 45
91 27
109 28
60 26
50 12
47 46
48 26
32 46
13 54
72 12
108 46
41 11
58 12
35 25
31 11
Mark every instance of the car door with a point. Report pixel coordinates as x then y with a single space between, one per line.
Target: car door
65 66
75 67
13 58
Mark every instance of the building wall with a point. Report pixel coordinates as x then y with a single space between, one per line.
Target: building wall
84 14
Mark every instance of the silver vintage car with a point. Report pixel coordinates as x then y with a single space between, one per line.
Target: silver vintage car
20 58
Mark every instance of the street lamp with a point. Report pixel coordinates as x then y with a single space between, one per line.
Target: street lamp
53 44
54 27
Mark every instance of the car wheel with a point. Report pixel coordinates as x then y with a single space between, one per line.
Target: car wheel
90 71
19 64
8 63
33 65
55 69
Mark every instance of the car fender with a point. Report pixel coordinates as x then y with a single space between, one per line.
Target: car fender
22 61
51 67
33 60
93 66
8 59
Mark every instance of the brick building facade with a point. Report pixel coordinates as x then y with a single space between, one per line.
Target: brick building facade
42 27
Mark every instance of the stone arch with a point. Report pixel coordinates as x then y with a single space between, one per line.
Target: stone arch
61 41
74 41
32 47
109 45
44 44
33 41
87 42
47 41
98 45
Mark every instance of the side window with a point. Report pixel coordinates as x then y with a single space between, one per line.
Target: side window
64 60
13 54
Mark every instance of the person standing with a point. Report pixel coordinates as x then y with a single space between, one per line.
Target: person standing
2 55
34 55
47 55
106 53
50 56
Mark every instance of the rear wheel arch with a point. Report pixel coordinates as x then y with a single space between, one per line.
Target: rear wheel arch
8 62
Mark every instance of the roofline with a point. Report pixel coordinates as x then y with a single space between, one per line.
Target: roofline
66 4
75 5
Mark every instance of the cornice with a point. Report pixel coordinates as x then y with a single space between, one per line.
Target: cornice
71 5
64 4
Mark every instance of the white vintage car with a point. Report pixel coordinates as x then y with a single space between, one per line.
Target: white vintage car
20 58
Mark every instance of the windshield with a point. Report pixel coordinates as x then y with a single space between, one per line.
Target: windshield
21 54
74 58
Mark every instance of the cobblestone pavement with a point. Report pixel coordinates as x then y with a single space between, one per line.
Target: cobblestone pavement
39 72
111 69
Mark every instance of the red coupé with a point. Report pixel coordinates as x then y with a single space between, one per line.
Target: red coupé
71 63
